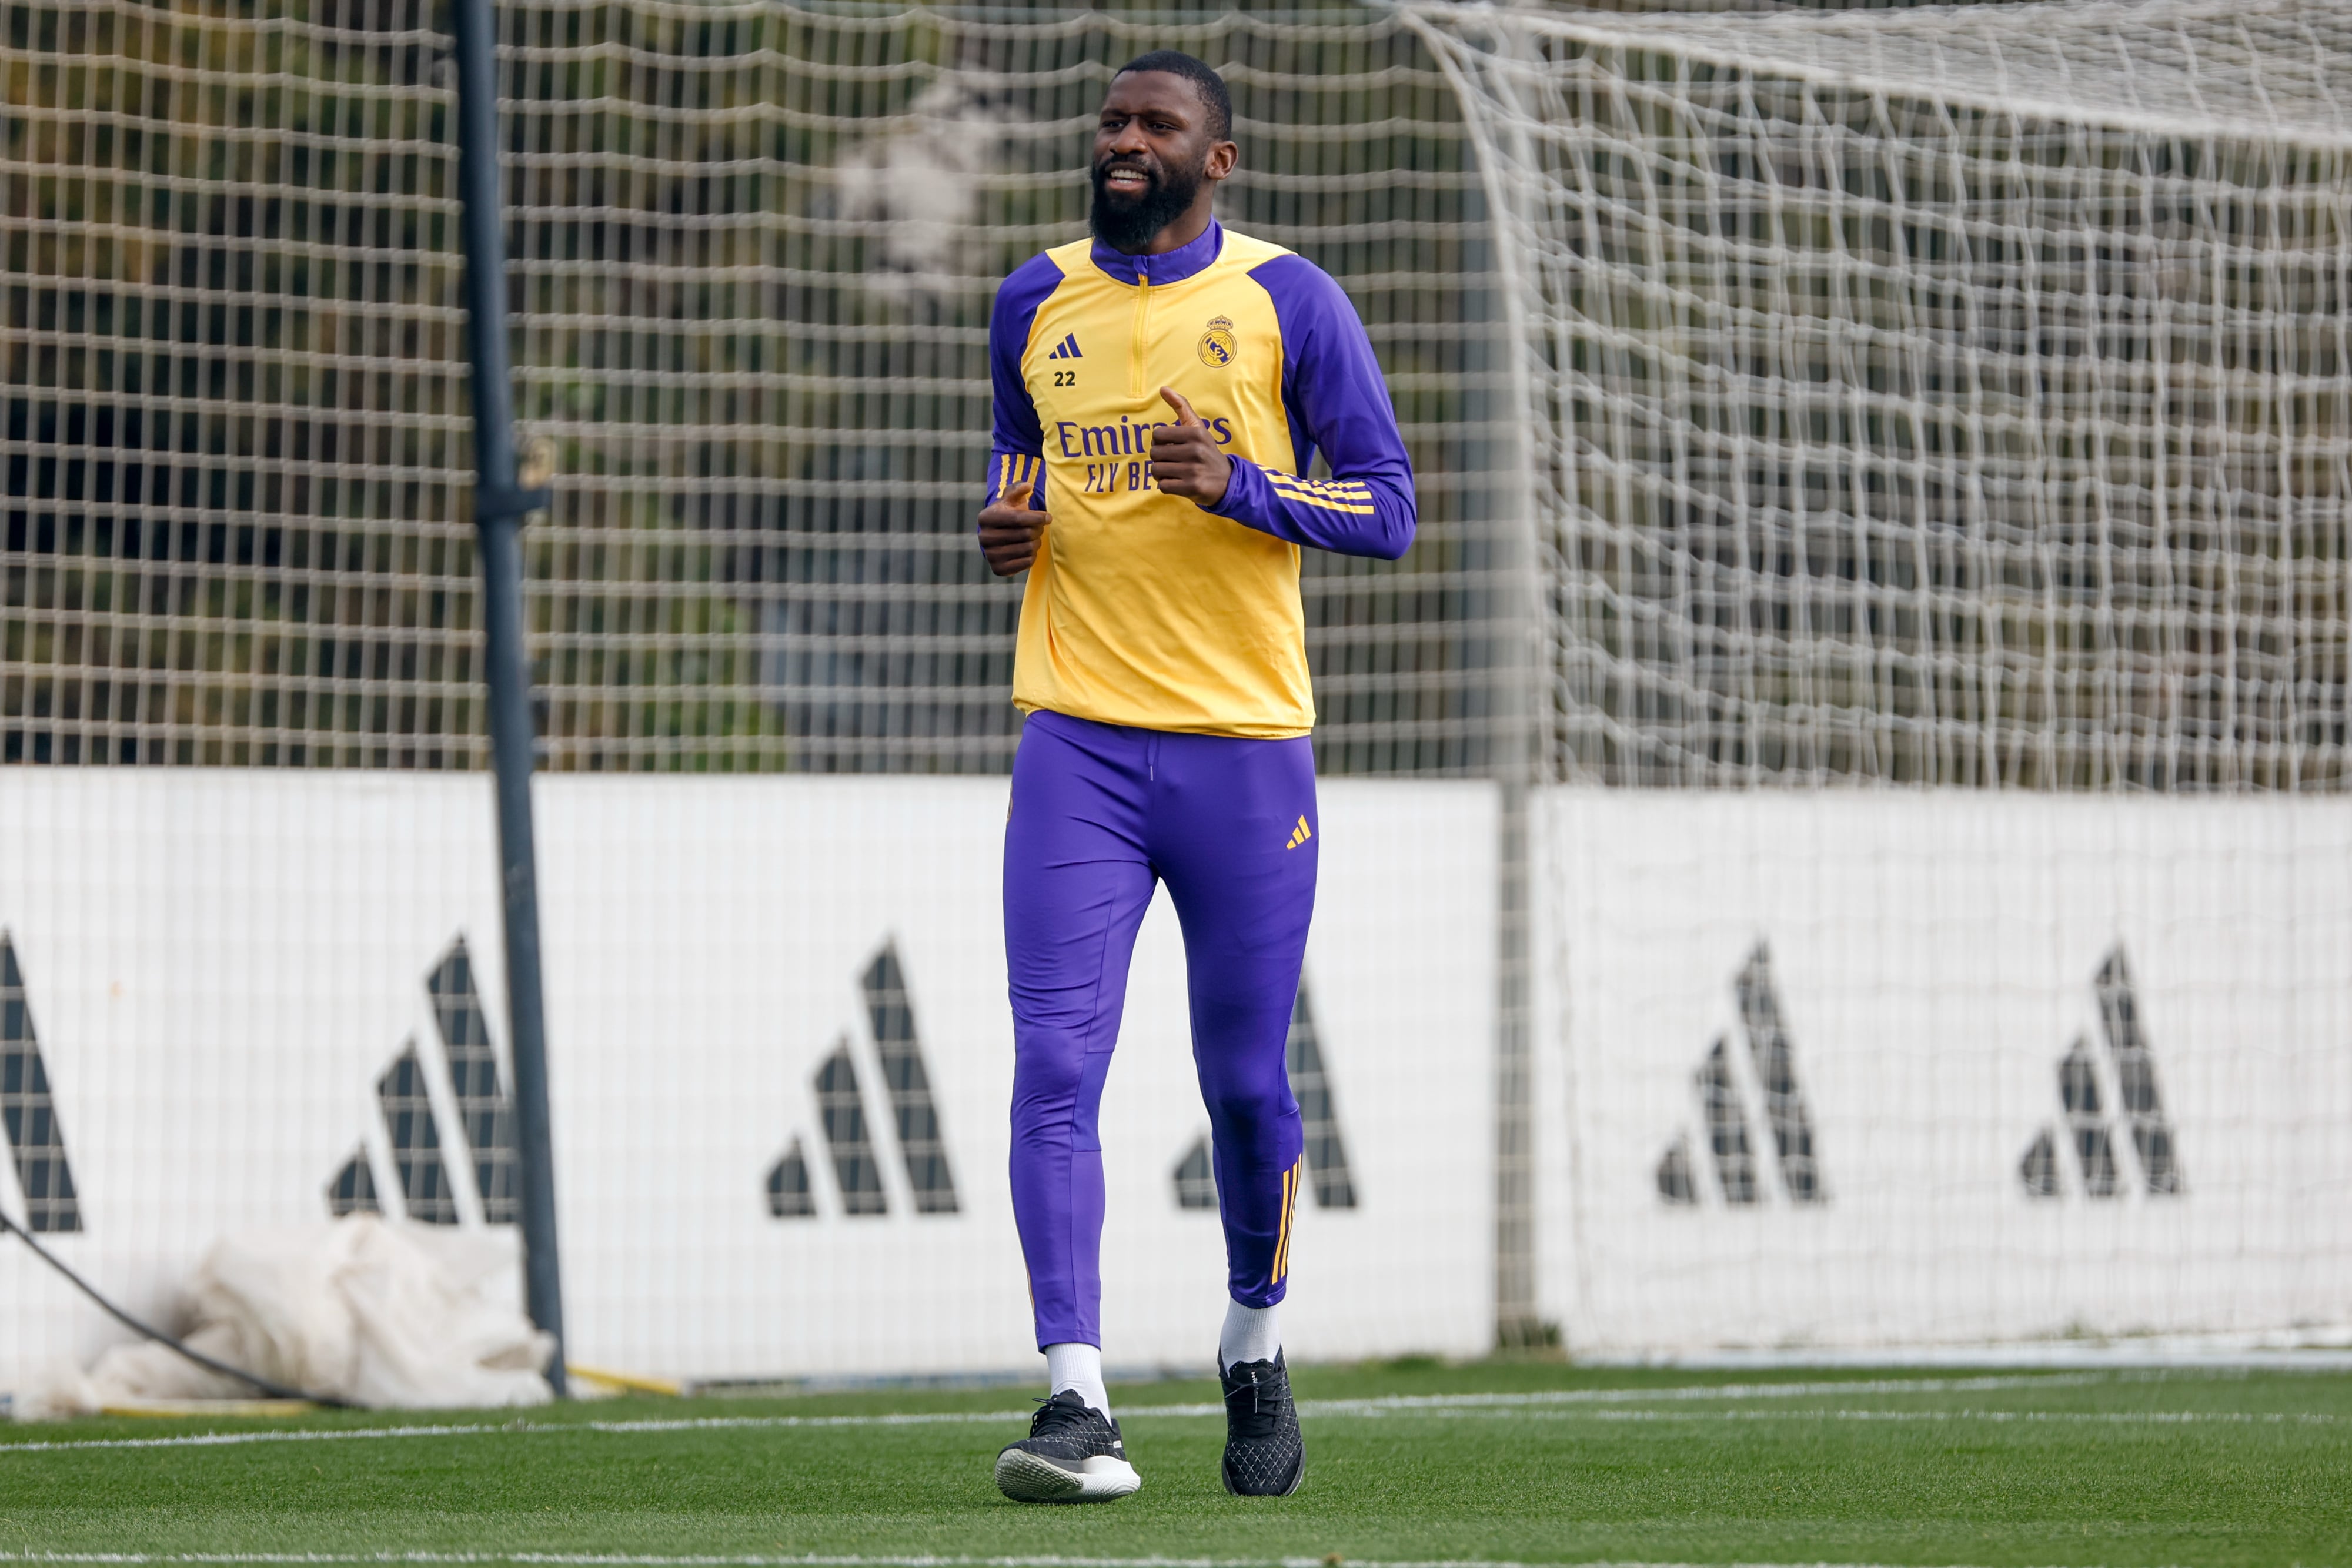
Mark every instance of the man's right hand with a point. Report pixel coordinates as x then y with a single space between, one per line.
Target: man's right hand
1009 531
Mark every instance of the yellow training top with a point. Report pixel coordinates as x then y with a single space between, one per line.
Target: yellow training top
1147 609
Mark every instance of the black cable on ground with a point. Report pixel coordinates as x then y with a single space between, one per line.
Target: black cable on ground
274 1390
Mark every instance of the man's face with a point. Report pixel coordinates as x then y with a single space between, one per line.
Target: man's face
1152 152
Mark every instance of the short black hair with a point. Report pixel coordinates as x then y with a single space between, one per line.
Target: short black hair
1205 81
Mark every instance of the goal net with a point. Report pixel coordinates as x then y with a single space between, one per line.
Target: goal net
1951 397
1960 400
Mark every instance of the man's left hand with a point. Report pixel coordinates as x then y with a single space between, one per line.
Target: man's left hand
1185 457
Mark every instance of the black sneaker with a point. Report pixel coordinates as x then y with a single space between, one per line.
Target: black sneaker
1073 1454
1265 1456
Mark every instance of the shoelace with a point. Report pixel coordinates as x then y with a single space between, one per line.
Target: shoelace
1265 1402
1057 1415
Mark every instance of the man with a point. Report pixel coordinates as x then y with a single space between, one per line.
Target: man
1159 393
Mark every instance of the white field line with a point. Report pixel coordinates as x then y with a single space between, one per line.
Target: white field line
814 1560
2096 1417
1559 1403
1393 1404
2328 1350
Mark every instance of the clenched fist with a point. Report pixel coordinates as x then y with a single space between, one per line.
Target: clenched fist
1009 531
1185 457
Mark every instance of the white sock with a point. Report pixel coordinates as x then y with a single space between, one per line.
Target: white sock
1077 1366
1251 1334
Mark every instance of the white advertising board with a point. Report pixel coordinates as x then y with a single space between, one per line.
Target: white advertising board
223 968
2045 1066
1946 971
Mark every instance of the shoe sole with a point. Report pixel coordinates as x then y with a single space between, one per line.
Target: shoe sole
1296 1480
1025 1477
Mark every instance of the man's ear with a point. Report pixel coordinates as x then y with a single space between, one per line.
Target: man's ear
1223 157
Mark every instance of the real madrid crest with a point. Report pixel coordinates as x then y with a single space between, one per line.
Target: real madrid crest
1217 345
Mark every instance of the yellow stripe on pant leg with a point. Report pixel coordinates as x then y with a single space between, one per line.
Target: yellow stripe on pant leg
1283 1231
1290 1211
1289 1200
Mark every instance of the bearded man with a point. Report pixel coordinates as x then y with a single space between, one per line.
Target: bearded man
1160 392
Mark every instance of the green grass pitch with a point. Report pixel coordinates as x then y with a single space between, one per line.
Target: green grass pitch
1409 1462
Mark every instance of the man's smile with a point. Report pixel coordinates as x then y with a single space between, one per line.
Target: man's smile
1127 179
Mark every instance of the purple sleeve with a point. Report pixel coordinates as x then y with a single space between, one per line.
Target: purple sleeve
1016 443
1337 402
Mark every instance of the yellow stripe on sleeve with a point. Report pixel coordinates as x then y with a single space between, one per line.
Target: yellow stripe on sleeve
1329 503
1335 491
1354 488
1015 468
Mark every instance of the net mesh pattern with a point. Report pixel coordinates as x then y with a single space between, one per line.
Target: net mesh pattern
753 246
1948 396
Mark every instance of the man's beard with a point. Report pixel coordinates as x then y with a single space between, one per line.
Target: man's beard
1129 223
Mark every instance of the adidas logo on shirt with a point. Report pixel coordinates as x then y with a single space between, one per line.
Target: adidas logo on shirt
1068 349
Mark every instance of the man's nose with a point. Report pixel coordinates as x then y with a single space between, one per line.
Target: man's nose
1130 138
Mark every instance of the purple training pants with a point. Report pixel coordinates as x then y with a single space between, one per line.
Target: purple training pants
1101 814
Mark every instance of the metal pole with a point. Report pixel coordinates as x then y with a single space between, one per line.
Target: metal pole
499 507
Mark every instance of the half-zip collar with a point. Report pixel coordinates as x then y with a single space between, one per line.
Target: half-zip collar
1171 266
1139 340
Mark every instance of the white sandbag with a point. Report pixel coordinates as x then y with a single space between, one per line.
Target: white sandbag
354 1309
